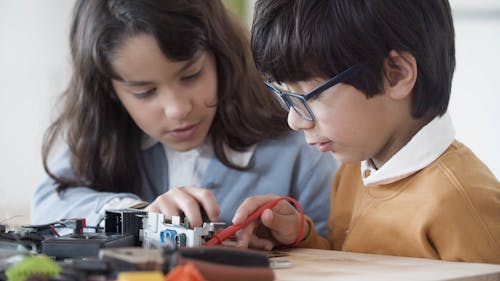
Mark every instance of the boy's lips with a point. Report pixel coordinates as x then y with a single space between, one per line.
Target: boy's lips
324 146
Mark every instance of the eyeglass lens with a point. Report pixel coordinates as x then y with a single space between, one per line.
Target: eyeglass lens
290 100
300 106
282 101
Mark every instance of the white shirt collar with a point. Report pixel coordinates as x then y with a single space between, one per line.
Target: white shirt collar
425 147
187 168
238 158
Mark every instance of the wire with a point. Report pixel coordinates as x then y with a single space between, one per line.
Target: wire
221 236
97 227
53 228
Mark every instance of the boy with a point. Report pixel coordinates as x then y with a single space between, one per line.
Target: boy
370 81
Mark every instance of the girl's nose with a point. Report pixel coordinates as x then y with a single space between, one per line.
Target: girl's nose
177 107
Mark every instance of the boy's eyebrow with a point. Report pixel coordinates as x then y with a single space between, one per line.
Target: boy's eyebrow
189 63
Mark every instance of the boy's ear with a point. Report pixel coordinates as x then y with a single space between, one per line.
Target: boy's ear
400 70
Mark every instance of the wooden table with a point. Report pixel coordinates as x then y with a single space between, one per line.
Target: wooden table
312 265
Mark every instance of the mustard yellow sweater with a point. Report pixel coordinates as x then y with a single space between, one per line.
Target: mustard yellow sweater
449 210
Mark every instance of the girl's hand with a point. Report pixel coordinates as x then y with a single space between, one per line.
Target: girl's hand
277 226
188 201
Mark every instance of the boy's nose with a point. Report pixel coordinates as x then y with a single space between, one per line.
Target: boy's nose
296 122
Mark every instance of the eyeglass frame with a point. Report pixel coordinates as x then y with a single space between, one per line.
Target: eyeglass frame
284 101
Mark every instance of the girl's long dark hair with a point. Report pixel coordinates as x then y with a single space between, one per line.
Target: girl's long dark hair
103 140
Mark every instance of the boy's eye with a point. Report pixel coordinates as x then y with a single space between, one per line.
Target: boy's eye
144 95
282 87
191 76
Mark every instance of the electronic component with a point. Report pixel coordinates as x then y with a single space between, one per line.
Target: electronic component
125 222
84 245
156 232
122 228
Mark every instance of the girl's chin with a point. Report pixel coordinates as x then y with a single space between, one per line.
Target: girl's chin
182 146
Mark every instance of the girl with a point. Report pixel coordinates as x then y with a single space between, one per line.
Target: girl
165 110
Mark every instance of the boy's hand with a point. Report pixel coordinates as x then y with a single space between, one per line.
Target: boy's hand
277 226
187 200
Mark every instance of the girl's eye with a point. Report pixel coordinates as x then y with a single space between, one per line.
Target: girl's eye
191 76
144 95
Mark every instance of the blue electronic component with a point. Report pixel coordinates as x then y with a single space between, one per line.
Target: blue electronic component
167 235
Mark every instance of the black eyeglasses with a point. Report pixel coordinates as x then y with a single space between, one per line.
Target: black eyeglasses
299 102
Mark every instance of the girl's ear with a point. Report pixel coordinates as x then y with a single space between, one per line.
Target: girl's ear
400 69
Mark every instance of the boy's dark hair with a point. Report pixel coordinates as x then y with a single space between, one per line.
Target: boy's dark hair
294 40
103 140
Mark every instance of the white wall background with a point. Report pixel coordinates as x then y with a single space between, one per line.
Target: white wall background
34 63
34 70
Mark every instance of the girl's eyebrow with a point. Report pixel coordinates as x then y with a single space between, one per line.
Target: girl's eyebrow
190 62
135 83
186 65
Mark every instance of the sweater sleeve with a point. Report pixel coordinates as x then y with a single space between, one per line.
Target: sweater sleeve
465 226
313 240
77 201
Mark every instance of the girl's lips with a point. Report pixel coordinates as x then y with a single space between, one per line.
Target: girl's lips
324 146
185 133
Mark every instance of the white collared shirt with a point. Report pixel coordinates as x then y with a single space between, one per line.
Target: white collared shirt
187 168
425 147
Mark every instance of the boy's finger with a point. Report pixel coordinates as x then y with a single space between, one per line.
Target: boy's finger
283 225
279 217
250 205
260 243
244 235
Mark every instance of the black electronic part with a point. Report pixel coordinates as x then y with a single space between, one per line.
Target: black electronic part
226 256
204 215
23 239
84 245
125 222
